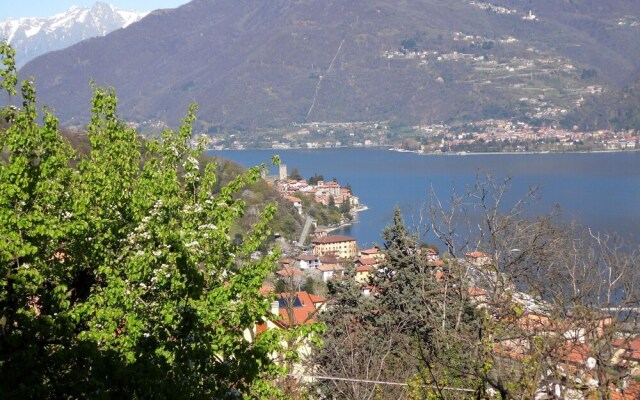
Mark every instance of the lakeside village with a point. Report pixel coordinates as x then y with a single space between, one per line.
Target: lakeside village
490 135
342 205
300 286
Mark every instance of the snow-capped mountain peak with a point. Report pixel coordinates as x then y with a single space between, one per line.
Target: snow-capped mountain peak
32 37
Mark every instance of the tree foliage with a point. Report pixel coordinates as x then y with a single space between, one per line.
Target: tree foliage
551 289
119 276
535 314
402 332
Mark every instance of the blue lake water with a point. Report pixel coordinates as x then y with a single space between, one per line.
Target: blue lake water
599 190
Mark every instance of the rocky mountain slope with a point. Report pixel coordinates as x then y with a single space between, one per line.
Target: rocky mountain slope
256 63
32 37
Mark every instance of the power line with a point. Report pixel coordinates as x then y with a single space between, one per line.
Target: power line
335 378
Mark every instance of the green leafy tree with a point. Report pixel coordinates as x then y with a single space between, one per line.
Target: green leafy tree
119 276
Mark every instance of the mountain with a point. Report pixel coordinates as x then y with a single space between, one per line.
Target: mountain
254 63
32 37
618 110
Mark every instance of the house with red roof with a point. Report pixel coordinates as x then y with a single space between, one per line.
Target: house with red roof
330 258
432 254
290 310
290 276
370 261
373 252
364 266
297 202
297 308
363 273
288 273
478 258
330 270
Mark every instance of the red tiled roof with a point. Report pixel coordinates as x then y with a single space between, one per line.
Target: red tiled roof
266 290
364 268
305 311
366 261
333 239
331 267
576 354
293 199
477 254
476 291
316 299
370 251
289 272
628 344
329 258
631 347
632 392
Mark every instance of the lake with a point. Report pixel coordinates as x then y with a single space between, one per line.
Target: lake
599 190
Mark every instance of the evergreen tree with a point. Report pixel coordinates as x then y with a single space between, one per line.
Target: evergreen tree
358 344
406 331
431 306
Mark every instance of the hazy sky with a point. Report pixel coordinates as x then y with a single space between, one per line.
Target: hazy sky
44 8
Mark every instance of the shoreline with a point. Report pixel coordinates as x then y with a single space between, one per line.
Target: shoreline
493 153
420 153
353 221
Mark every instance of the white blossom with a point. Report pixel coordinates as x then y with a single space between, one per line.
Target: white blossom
193 161
207 226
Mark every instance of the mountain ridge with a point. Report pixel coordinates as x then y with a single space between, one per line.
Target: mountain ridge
35 36
252 64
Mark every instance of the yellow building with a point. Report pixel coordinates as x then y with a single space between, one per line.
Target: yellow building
341 246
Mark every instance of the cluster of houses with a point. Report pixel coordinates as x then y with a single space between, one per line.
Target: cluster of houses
329 258
332 254
322 192
578 342
504 131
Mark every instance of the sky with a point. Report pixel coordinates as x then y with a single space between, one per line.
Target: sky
45 8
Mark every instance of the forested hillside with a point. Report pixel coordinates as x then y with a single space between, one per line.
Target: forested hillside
252 64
